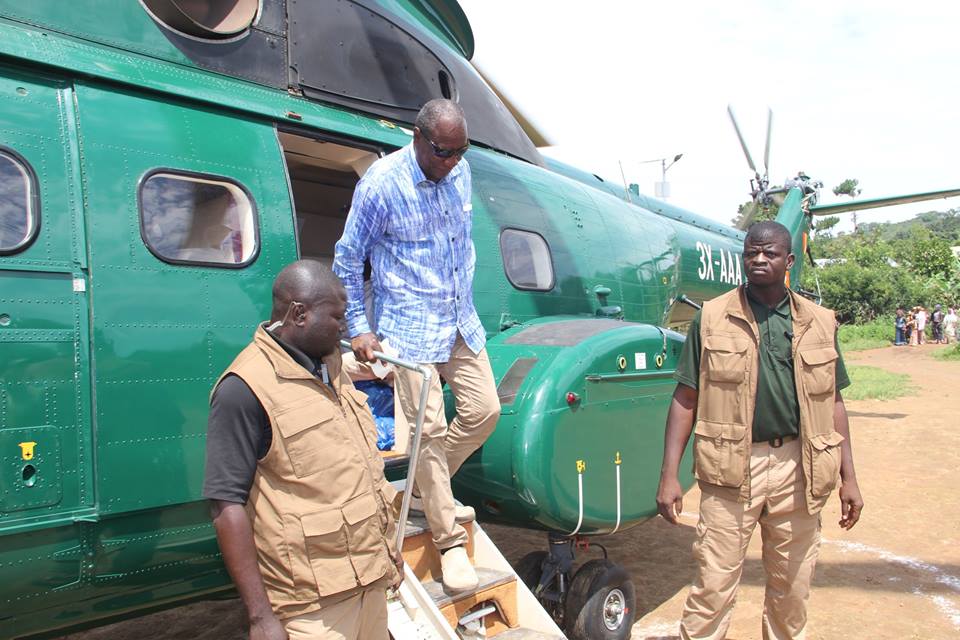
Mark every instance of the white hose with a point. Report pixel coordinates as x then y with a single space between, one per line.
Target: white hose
618 501
580 468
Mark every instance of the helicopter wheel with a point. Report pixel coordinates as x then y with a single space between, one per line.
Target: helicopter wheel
601 602
530 567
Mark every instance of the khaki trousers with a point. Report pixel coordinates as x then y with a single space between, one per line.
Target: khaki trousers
443 449
361 617
791 540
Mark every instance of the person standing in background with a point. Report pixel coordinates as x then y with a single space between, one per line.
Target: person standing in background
900 328
950 325
936 324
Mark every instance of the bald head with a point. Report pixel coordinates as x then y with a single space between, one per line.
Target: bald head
769 232
305 281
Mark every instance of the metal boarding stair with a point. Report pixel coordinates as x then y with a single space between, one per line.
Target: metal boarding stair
500 607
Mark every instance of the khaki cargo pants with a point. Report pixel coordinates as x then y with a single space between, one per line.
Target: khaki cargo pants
360 617
443 449
791 540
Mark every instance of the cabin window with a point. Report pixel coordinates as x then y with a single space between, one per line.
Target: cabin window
19 203
526 260
198 219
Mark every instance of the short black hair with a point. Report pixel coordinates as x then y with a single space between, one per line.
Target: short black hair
769 231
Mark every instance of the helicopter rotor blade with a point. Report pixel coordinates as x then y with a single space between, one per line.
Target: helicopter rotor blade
743 143
766 150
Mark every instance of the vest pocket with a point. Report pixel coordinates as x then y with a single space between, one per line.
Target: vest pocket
824 463
368 552
819 368
328 551
345 546
311 444
719 452
726 359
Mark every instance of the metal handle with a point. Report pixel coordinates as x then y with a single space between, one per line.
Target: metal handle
417 433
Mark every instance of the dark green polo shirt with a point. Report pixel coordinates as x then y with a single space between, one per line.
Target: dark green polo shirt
776 412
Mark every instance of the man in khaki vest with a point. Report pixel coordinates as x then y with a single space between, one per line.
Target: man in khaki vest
302 511
759 386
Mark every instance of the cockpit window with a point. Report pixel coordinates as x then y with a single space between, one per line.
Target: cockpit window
19 203
527 260
198 219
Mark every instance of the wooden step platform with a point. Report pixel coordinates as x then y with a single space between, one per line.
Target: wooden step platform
498 587
420 553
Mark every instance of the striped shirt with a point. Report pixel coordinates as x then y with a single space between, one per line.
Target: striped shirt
417 236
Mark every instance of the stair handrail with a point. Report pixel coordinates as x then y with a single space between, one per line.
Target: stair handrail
427 375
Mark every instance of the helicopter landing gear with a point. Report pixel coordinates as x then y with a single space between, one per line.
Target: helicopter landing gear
600 603
596 602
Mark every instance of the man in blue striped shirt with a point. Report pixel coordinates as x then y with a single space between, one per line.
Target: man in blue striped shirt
411 217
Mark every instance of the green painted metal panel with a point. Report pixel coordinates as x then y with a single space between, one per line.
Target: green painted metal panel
30 468
162 333
44 362
43 354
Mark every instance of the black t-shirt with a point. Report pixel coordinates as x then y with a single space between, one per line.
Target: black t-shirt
238 434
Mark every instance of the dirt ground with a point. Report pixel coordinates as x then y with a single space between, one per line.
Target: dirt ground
896 575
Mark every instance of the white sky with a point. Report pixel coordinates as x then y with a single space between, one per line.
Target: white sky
859 89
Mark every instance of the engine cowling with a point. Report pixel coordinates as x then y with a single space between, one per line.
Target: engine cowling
579 443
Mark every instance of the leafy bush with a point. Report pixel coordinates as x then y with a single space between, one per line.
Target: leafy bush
860 294
872 335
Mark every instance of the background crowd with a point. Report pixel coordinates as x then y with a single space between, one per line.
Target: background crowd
911 326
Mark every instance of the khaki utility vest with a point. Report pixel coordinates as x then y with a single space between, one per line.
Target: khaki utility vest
729 367
321 509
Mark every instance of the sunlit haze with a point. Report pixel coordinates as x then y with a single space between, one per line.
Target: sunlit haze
865 90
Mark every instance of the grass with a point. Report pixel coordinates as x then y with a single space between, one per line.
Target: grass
872 383
871 335
950 353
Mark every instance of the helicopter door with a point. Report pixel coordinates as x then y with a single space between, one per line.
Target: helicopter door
45 434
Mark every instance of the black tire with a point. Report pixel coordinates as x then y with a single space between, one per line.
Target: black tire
601 602
530 567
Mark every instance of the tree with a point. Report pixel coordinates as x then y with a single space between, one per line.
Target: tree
825 225
931 257
849 187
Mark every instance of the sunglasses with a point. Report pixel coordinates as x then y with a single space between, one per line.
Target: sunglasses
440 152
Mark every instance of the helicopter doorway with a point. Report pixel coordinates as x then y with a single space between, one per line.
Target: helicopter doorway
323 175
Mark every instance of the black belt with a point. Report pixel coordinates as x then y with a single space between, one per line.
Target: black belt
779 441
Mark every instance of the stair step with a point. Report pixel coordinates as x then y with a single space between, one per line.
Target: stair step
420 553
489 578
497 586
526 634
